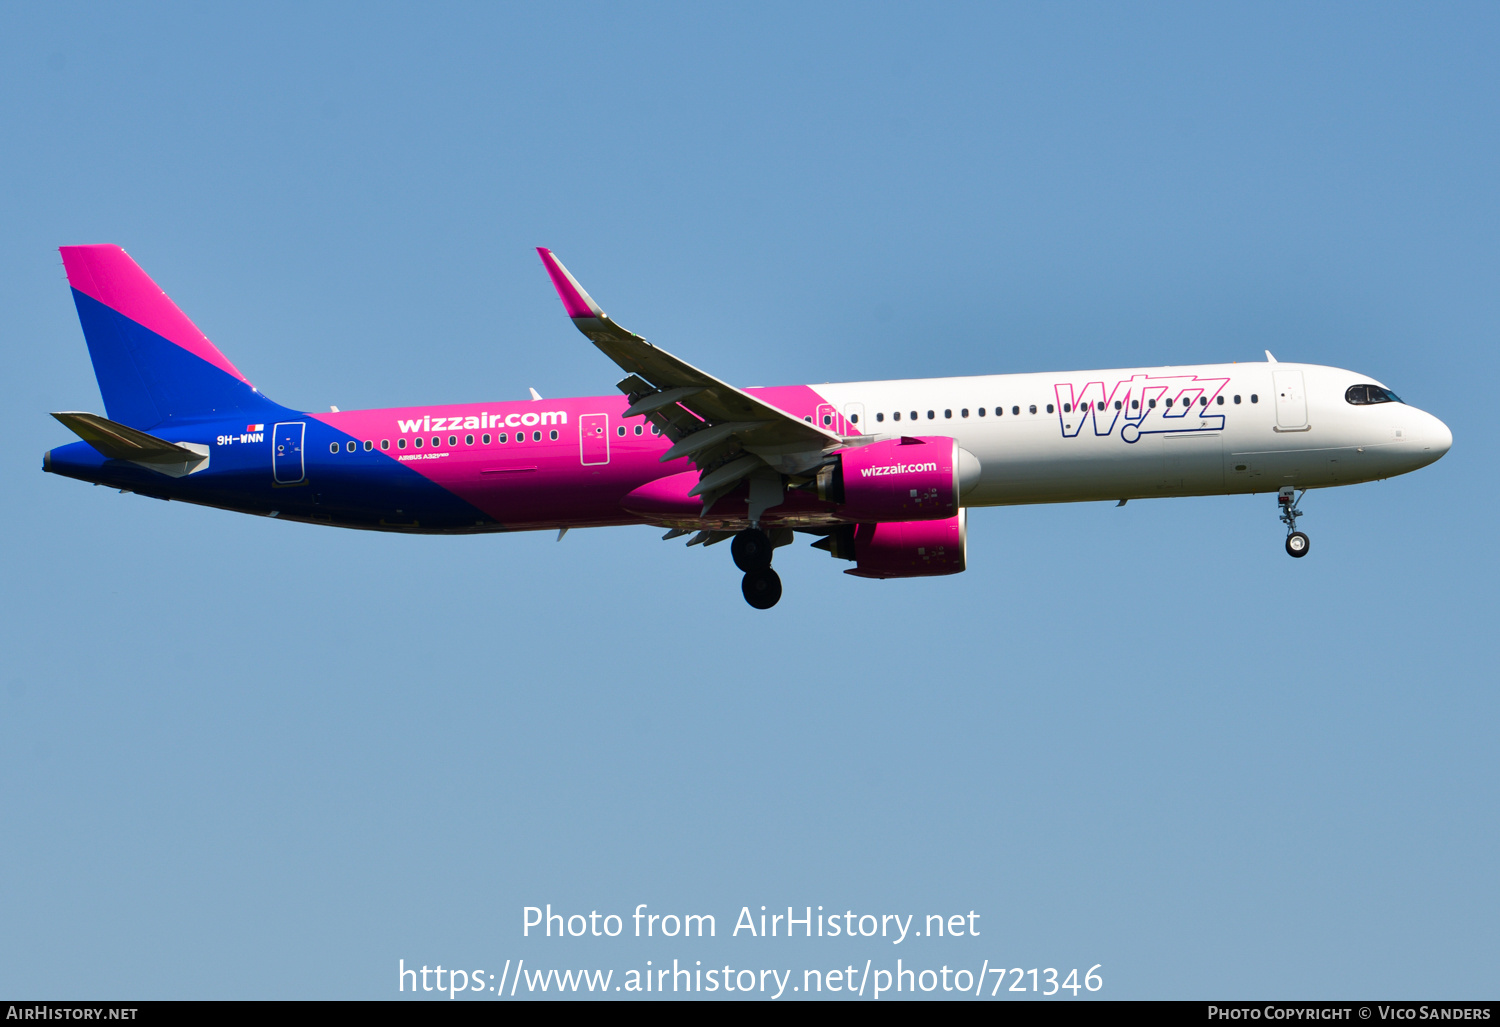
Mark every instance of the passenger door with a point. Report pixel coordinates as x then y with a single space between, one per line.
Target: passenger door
593 439
1291 400
287 466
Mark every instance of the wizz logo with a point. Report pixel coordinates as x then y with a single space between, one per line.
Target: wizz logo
1142 405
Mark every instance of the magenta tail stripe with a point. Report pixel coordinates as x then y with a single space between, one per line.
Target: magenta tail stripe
107 274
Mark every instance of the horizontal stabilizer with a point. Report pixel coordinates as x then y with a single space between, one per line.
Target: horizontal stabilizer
121 442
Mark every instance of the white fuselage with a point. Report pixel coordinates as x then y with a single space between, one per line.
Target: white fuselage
1205 429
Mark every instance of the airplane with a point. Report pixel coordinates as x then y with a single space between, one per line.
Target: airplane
882 473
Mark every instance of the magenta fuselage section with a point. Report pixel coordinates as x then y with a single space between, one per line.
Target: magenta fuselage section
549 463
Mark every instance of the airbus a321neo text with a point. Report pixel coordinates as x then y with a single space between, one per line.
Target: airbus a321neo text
881 472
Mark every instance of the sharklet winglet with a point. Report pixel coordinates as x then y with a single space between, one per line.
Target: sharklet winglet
577 302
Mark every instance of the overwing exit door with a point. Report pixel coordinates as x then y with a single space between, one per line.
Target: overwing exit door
287 466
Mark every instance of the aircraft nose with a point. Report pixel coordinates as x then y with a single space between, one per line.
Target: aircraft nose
1436 438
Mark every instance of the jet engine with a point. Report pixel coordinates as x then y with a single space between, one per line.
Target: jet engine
902 549
905 479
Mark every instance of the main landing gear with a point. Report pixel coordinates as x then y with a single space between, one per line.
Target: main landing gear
1297 543
752 550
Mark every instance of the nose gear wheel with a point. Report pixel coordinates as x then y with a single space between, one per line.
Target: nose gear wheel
1297 543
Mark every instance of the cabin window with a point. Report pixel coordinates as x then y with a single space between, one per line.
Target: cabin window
553 435
808 420
637 431
1360 395
620 431
1033 408
1151 403
1016 411
400 443
417 442
369 445
351 445
1236 401
385 443
964 412
333 447
655 429
947 413
1135 404
536 436
1169 402
827 420
468 440
914 415
853 418
1049 408
486 438
1219 400
1117 404
896 416
1067 408
1254 398
1203 401
452 440
931 415
879 418
437 441
502 437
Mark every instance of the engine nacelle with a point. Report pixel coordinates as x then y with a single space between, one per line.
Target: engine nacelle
906 479
911 549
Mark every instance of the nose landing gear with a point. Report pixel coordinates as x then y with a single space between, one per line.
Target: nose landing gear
1297 543
752 551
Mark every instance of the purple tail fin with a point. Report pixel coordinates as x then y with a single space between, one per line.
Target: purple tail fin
151 361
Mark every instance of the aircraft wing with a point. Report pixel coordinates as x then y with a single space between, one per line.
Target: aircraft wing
728 434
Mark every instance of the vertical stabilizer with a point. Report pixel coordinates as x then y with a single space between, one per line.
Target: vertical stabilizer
151 361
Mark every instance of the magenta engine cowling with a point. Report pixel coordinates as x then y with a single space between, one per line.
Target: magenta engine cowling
911 549
906 479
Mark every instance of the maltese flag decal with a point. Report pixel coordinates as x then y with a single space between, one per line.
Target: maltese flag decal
255 427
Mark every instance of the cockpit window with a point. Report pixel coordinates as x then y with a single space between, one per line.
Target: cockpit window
1360 395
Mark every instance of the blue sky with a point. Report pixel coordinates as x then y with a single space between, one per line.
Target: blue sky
254 759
